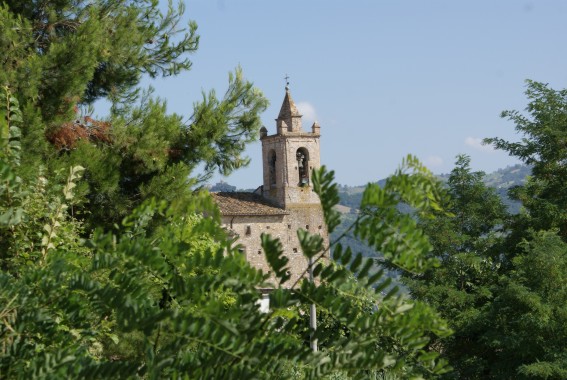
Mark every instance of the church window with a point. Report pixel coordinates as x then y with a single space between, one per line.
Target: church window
259 251
307 226
289 226
302 157
272 167
295 250
248 230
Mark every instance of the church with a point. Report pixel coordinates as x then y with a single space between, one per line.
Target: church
285 202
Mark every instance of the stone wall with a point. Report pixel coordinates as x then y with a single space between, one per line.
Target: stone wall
284 227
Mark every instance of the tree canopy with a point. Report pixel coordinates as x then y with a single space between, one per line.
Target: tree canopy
543 147
61 56
113 263
500 283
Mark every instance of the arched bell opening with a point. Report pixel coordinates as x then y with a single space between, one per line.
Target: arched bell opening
272 167
302 156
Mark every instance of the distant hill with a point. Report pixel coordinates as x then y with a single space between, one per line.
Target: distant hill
501 180
227 188
504 179
222 186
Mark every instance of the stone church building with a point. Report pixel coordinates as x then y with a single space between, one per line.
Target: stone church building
286 200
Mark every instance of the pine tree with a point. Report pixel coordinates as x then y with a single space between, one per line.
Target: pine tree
83 50
64 55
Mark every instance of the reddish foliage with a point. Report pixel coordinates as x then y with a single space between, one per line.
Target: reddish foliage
67 136
174 153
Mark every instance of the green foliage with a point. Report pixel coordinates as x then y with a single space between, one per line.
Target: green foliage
10 118
543 148
30 215
529 314
393 234
108 43
153 154
168 296
467 240
67 54
112 271
323 184
370 331
521 335
274 255
58 213
500 284
220 128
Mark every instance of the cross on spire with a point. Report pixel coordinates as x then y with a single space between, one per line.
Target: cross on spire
286 81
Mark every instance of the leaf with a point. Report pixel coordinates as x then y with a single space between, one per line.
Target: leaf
328 193
16 118
311 244
15 132
356 263
403 308
114 338
274 254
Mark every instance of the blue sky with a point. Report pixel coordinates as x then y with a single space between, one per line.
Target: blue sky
383 78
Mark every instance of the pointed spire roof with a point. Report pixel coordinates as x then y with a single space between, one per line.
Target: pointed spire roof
288 109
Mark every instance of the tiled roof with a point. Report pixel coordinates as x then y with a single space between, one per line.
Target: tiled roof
240 203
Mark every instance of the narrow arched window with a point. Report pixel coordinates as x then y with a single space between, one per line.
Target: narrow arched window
302 156
272 167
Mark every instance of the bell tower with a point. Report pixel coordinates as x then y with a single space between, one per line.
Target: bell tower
288 158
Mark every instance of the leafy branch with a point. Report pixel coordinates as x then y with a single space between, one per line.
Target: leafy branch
58 214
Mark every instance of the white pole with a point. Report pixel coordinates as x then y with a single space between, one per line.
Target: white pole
313 316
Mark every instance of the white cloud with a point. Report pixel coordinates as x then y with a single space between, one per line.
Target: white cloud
433 161
476 143
308 112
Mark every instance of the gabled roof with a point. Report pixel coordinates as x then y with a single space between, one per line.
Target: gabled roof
288 107
244 204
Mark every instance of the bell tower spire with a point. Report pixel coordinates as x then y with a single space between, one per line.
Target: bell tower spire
289 118
289 156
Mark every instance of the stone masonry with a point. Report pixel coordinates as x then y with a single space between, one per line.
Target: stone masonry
286 200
